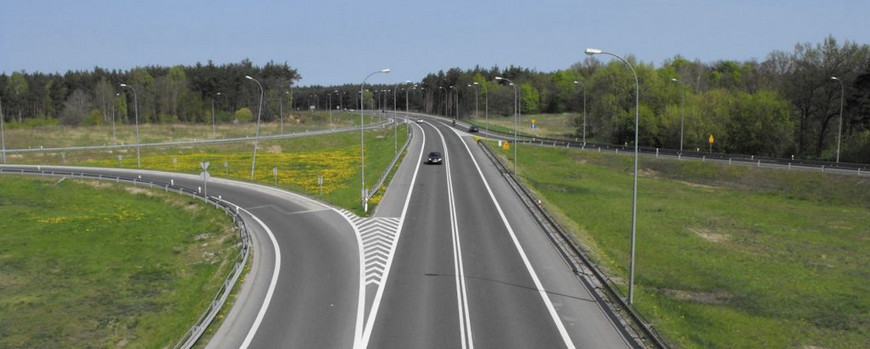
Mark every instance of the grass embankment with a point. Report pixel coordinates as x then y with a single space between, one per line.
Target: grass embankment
300 161
68 136
727 257
546 125
91 264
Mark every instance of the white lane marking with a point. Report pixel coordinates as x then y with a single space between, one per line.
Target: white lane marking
271 191
376 303
458 267
541 291
272 284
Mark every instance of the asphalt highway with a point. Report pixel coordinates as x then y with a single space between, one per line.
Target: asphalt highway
473 269
450 259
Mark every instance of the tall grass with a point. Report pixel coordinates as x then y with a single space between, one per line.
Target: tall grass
726 256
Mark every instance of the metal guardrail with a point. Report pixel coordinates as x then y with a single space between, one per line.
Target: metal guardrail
377 186
731 159
195 332
571 252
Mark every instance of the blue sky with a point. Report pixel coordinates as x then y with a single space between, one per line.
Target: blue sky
336 42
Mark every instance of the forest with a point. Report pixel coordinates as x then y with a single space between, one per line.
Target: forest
787 104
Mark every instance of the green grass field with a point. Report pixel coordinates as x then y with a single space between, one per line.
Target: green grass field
727 257
92 264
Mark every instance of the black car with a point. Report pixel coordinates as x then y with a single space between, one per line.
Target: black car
473 129
434 158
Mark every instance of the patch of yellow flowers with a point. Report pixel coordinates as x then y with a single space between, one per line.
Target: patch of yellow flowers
293 169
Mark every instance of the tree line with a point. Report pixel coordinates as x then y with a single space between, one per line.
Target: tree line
164 94
787 104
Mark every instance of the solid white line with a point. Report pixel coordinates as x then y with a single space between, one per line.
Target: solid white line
376 303
271 190
458 267
272 284
541 291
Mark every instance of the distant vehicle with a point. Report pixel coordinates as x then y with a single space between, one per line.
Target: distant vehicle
434 158
419 121
473 129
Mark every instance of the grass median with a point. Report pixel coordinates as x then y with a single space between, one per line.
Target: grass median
727 256
93 264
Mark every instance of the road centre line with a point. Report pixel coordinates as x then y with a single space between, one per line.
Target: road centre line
541 291
458 267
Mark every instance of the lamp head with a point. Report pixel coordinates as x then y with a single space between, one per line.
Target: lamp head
834 78
593 51
248 77
385 70
499 78
123 85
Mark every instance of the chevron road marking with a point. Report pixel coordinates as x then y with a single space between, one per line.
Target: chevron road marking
378 236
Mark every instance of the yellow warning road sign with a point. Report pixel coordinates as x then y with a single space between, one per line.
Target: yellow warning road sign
505 145
712 139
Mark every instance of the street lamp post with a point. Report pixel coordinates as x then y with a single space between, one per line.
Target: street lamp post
407 107
516 118
840 128
682 104
395 119
485 108
257 135
281 110
329 105
2 132
362 147
454 113
213 132
114 106
593 51
338 107
476 106
584 110
136 109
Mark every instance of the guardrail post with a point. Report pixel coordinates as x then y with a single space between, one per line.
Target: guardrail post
789 166
704 158
729 161
759 163
657 153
